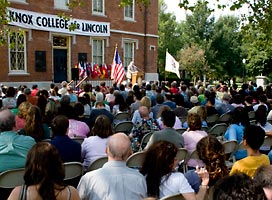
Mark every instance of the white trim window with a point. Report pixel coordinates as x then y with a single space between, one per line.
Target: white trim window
61 4
17 52
18 1
128 53
129 12
98 7
98 51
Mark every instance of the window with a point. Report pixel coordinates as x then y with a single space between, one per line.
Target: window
128 53
98 51
129 11
61 4
18 1
98 7
17 54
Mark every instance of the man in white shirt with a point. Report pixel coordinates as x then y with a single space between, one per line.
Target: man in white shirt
114 180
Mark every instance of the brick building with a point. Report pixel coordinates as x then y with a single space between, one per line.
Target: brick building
42 49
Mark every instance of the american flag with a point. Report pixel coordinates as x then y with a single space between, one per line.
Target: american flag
117 70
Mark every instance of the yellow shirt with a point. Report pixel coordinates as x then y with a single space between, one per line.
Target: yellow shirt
249 164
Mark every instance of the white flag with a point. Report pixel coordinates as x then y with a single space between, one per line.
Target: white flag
171 65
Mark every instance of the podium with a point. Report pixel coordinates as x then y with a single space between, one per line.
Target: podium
137 77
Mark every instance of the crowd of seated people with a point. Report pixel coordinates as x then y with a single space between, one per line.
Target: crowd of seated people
34 115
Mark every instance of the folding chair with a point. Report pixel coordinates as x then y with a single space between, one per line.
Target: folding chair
267 141
174 197
136 160
193 155
181 156
122 116
12 178
218 130
98 163
78 139
230 147
225 118
181 130
183 119
251 115
211 120
73 173
73 170
145 140
124 127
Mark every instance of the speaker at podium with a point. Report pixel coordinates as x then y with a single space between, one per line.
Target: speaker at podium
137 77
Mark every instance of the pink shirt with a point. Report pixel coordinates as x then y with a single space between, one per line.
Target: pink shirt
78 129
92 148
191 138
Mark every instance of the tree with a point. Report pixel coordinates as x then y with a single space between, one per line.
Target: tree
192 59
226 44
169 36
257 51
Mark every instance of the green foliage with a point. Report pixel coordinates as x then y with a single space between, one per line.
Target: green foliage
226 44
3 21
169 36
192 59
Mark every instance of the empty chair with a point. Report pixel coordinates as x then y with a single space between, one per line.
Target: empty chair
98 163
218 130
225 118
212 119
136 160
174 197
12 178
124 127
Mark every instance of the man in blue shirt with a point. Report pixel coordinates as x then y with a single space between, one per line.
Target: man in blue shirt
13 147
69 150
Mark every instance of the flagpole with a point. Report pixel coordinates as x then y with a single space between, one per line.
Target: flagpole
164 67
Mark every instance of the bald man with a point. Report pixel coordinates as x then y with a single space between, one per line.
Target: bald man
14 147
114 180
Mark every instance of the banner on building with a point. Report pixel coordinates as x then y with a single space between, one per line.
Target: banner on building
54 23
